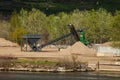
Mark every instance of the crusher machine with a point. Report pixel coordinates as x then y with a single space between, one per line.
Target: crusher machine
31 39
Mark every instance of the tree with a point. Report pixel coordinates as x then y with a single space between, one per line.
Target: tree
96 24
16 30
17 33
57 25
4 28
34 22
115 31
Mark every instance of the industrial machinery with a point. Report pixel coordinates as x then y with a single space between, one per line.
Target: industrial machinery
82 38
31 39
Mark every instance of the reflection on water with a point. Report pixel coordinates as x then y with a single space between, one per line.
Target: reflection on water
59 76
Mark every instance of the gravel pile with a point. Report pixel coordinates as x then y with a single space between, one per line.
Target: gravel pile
80 49
7 43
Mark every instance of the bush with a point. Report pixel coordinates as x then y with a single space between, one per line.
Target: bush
17 33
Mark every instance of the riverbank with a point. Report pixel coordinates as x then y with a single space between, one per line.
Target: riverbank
52 65
60 69
77 57
41 65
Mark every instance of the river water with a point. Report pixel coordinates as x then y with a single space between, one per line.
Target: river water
59 76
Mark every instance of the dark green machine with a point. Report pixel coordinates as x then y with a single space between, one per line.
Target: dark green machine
82 37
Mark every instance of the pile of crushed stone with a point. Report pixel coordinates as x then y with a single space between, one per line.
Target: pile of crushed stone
111 43
80 49
7 43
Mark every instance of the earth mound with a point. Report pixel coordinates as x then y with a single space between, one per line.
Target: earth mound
80 49
7 43
111 43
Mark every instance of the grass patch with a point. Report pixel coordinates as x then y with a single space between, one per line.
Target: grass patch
35 61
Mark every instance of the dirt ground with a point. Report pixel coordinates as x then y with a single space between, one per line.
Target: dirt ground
77 51
54 53
16 52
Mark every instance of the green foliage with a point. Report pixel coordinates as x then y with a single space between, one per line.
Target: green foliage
115 32
36 22
55 6
37 62
58 24
15 29
33 22
17 33
4 25
14 21
96 23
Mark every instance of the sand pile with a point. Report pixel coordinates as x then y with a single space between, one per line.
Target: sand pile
6 43
111 43
80 49
107 44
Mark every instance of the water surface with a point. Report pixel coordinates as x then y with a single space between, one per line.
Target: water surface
59 76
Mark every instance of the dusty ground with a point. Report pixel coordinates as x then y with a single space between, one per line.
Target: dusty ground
16 52
77 52
54 54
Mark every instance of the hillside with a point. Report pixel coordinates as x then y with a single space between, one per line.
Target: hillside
55 6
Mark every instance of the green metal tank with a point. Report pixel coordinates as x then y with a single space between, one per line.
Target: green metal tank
82 38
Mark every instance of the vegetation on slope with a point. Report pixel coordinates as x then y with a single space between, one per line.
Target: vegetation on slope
56 6
51 17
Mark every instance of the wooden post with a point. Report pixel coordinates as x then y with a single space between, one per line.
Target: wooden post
21 44
26 43
98 65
